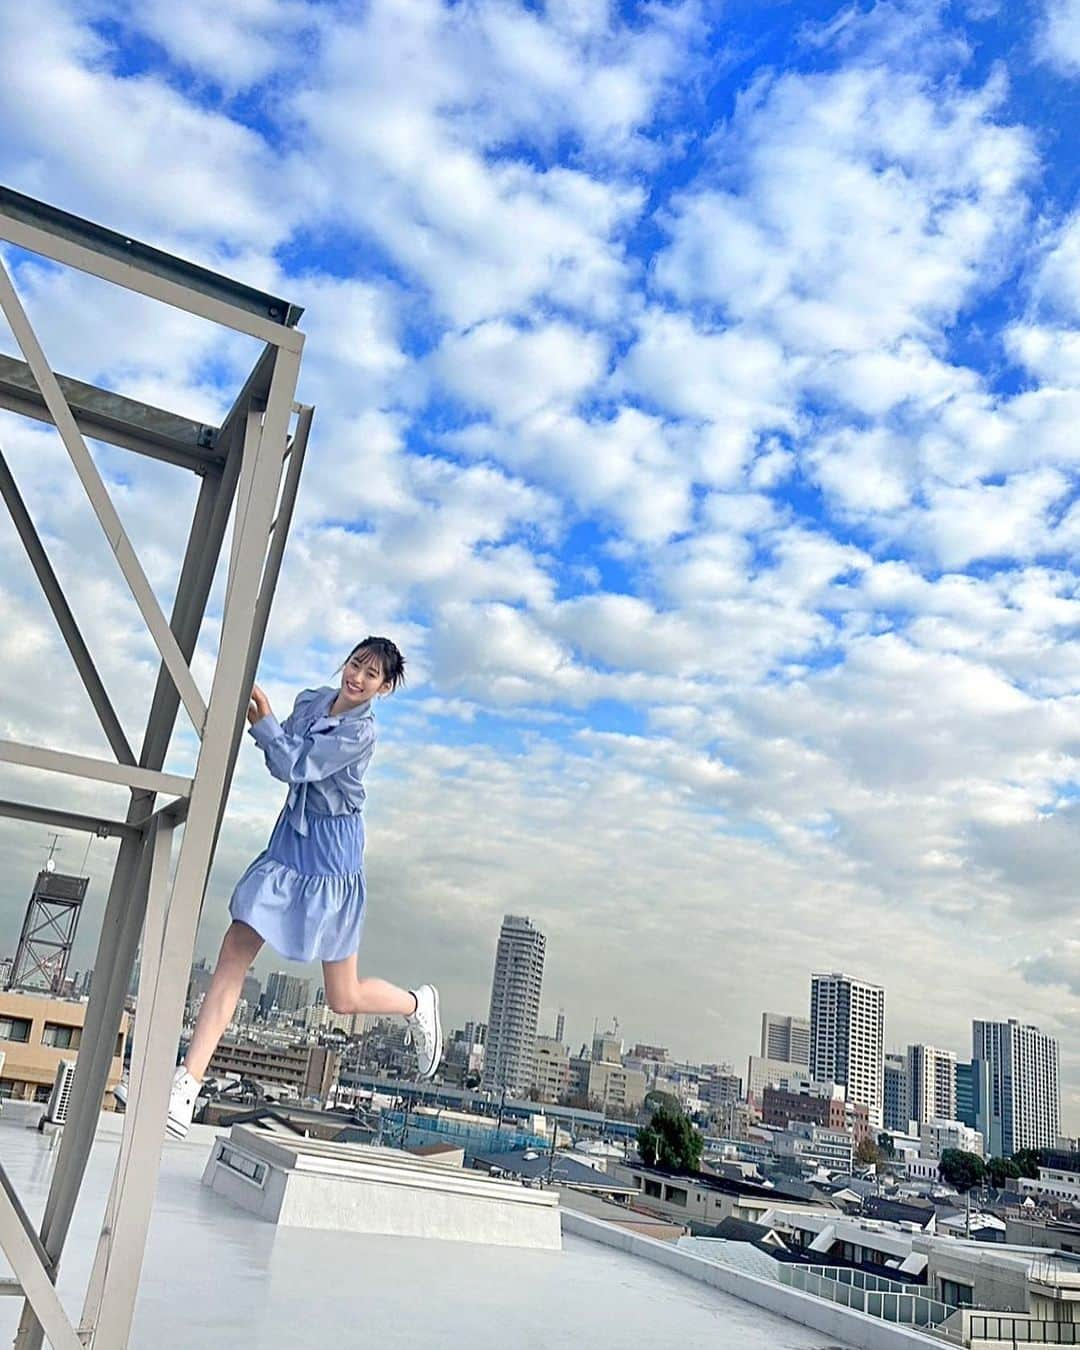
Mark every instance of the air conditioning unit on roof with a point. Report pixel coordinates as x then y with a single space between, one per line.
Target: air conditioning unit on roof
57 1109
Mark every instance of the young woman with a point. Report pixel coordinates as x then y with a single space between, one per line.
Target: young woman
304 894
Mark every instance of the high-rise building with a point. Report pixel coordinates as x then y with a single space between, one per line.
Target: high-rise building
895 1094
560 1026
931 1084
1025 1085
515 1007
847 1032
973 1096
785 1038
288 993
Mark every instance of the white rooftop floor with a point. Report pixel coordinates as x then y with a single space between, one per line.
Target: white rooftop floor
216 1276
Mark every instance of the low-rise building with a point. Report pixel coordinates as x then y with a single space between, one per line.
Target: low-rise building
309 1070
1053 1184
816 1104
37 1032
778 1073
936 1135
606 1085
551 1070
702 1199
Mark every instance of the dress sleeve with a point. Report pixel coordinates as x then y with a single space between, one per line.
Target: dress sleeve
308 759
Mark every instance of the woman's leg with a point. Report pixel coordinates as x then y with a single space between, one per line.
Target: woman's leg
346 993
239 948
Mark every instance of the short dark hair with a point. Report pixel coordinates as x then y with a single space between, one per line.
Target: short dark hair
388 656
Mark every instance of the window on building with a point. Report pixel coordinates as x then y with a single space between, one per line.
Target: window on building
15 1029
61 1037
959 1295
42 1092
675 1195
7 1089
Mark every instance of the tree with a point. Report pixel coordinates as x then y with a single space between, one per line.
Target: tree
961 1170
867 1152
659 1100
670 1140
1027 1160
1002 1170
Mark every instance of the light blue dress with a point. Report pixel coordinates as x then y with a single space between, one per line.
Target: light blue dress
304 894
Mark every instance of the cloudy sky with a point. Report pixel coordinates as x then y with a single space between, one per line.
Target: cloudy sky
698 390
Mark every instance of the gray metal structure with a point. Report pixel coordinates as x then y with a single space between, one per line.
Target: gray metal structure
249 468
48 932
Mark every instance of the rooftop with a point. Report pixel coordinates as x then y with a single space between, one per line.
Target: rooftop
216 1275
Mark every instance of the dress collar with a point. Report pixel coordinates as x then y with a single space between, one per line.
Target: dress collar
361 709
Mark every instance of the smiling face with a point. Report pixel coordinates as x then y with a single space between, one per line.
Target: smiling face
361 680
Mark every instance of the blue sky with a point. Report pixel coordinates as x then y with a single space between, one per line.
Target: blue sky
697 395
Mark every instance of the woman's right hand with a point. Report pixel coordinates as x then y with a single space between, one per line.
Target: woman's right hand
259 707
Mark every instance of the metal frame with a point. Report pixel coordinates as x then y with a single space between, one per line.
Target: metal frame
48 933
251 462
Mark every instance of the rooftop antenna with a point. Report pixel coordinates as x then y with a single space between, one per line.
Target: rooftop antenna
54 849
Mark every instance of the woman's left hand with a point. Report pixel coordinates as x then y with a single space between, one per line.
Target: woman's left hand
259 707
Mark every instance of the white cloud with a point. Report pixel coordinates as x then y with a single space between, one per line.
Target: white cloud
512 373
129 150
856 209
1057 40
235 45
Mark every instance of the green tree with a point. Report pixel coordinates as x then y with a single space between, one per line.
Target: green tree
659 1100
1001 1171
867 1152
670 1140
1027 1159
960 1169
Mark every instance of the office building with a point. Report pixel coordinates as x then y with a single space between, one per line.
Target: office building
817 1104
973 1096
551 1070
605 1086
607 1047
847 1031
1025 1085
894 1091
935 1136
785 1038
931 1084
762 1073
287 993
515 1007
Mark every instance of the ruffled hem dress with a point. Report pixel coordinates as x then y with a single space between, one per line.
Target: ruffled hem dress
304 894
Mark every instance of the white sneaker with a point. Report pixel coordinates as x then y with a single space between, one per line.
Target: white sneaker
425 1030
185 1092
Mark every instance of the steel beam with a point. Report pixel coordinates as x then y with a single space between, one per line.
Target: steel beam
137 267
54 594
29 1262
126 775
126 557
68 820
227 701
105 416
124 913
122 924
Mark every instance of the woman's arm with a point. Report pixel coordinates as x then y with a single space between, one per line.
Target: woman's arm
308 759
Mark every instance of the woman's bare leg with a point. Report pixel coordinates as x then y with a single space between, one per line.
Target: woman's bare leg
347 993
239 948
